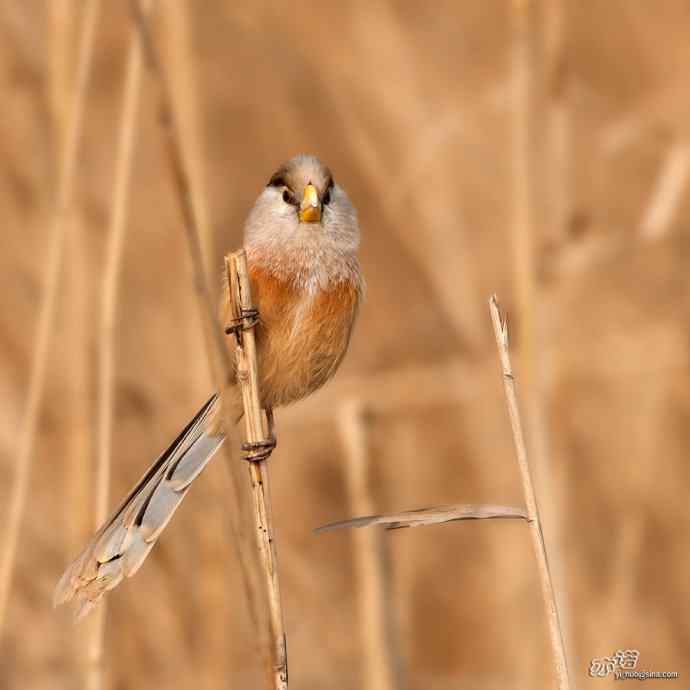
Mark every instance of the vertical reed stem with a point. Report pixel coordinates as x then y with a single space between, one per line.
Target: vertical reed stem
211 596
534 521
218 355
523 212
78 408
375 614
248 379
76 476
558 181
186 94
27 435
669 192
106 336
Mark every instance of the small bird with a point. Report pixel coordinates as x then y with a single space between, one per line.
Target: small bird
301 239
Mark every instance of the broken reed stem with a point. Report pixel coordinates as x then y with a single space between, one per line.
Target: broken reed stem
27 436
106 336
375 613
248 380
555 631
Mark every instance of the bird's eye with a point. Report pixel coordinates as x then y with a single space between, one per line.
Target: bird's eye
287 197
327 197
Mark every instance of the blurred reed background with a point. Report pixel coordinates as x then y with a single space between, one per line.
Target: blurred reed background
534 149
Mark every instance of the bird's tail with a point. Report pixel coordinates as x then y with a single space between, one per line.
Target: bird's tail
120 546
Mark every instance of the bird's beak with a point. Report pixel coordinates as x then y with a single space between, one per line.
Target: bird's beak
310 208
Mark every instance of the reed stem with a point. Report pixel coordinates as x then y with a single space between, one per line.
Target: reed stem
248 379
106 337
382 663
533 519
39 362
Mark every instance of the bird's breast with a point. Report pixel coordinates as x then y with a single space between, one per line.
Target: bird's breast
302 334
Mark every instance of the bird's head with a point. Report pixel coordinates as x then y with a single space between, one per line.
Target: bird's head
302 204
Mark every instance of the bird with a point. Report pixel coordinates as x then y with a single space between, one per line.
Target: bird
301 239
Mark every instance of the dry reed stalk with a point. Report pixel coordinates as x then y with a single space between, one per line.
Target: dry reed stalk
219 359
106 334
63 25
529 111
525 113
534 521
524 218
377 630
523 212
187 102
248 379
557 180
27 435
211 595
668 193
218 355
559 165
77 295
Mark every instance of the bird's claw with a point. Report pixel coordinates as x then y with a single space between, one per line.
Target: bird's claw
248 319
256 451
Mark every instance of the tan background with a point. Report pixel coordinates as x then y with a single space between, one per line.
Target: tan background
410 104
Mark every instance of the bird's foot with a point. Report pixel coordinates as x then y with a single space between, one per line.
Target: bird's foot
256 451
248 319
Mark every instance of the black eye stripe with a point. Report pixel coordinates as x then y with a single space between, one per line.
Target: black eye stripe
277 180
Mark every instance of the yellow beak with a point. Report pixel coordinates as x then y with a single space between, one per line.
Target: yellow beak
310 208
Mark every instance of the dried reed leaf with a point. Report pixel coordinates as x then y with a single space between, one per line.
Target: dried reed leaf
431 516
